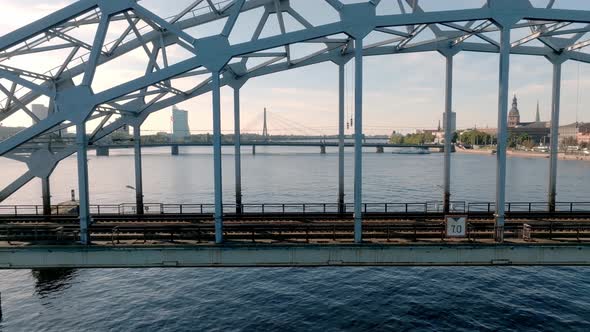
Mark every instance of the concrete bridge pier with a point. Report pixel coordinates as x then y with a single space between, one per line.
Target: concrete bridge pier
102 151
380 149
174 150
254 150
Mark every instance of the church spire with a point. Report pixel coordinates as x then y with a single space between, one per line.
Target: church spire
514 101
538 116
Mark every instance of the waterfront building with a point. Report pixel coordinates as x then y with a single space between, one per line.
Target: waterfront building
538 131
583 134
576 130
453 122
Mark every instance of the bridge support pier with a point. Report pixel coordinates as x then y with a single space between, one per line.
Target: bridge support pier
102 151
358 140
84 205
138 170
341 78
502 132
448 134
218 183
46 195
237 151
380 149
253 150
555 109
174 150
323 149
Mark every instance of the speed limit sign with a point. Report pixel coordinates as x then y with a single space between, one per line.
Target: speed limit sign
456 226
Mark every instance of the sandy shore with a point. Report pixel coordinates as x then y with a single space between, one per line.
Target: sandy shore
524 154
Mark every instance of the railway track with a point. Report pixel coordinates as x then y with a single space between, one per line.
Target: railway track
283 230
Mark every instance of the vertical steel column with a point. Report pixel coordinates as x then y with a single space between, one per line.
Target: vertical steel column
502 132
138 170
46 193
358 141
341 208
448 134
238 151
84 205
218 184
554 135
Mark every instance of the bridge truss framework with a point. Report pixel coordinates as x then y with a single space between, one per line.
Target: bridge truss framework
214 61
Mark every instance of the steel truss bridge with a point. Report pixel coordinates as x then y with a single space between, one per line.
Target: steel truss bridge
91 35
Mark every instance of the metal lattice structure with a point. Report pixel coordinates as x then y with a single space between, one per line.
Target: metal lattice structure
203 64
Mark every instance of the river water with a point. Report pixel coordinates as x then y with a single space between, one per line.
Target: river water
286 299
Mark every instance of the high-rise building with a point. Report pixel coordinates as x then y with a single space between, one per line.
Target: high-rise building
180 128
453 121
40 111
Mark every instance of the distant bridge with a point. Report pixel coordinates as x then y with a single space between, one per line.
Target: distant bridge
103 150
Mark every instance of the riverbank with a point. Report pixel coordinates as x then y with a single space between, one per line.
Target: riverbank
526 154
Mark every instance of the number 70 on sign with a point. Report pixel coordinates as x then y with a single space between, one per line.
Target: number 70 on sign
456 226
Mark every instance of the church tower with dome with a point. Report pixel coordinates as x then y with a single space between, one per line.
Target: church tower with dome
514 114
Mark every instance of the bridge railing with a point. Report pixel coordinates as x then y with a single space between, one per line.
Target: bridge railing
530 207
432 207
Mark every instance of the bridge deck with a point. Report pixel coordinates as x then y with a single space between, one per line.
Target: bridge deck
261 255
190 243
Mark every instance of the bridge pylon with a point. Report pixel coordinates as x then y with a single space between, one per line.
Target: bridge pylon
265 135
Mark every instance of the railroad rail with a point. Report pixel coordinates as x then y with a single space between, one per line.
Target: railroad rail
288 231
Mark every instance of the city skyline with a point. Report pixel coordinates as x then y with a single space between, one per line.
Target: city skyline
402 92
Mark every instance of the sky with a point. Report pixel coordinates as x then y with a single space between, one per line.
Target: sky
401 92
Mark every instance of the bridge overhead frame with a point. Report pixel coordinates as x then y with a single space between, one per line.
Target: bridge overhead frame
562 33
